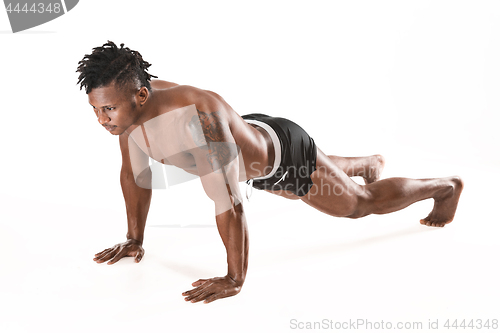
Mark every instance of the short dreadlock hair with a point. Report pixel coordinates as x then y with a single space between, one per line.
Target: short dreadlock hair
108 63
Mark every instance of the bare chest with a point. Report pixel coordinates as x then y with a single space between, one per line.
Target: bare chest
166 139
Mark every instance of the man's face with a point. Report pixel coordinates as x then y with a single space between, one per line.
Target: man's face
114 107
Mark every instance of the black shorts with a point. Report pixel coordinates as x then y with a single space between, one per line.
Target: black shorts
298 157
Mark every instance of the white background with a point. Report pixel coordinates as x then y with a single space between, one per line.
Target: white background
416 81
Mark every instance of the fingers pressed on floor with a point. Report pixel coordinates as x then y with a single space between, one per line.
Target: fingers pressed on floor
117 257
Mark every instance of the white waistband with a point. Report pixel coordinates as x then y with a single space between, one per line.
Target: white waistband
276 144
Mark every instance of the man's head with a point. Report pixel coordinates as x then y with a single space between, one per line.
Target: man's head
117 83
109 64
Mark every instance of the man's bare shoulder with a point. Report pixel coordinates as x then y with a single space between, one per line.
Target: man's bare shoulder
162 84
204 100
201 110
178 88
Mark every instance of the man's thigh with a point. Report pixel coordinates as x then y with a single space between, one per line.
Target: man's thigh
284 194
333 192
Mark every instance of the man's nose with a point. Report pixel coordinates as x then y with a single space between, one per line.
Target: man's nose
102 117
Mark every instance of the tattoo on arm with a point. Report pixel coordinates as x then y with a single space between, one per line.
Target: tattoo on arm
210 136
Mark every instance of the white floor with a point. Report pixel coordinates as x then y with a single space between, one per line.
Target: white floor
305 267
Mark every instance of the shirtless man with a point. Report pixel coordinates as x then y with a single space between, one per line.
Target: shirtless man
197 131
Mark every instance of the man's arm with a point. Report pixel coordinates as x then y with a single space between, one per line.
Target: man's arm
217 164
137 201
137 198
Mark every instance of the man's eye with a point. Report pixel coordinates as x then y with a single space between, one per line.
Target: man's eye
109 108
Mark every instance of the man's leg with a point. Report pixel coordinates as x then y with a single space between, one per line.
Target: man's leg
336 194
368 167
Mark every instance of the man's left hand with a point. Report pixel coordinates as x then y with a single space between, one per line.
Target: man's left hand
209 290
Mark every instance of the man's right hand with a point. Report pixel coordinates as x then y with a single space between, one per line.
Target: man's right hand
130 248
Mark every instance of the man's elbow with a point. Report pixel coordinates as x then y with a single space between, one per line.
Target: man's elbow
229 205
143 179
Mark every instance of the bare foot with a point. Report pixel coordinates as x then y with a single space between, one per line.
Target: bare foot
445 206
375 168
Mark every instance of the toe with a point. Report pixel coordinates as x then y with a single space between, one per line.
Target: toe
380 159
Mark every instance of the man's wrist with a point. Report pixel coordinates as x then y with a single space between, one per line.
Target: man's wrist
237 278
135 240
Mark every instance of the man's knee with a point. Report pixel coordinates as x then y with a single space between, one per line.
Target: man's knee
350 207
362 206
342 201
357 214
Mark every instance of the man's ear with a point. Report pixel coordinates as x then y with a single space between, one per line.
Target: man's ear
142 96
